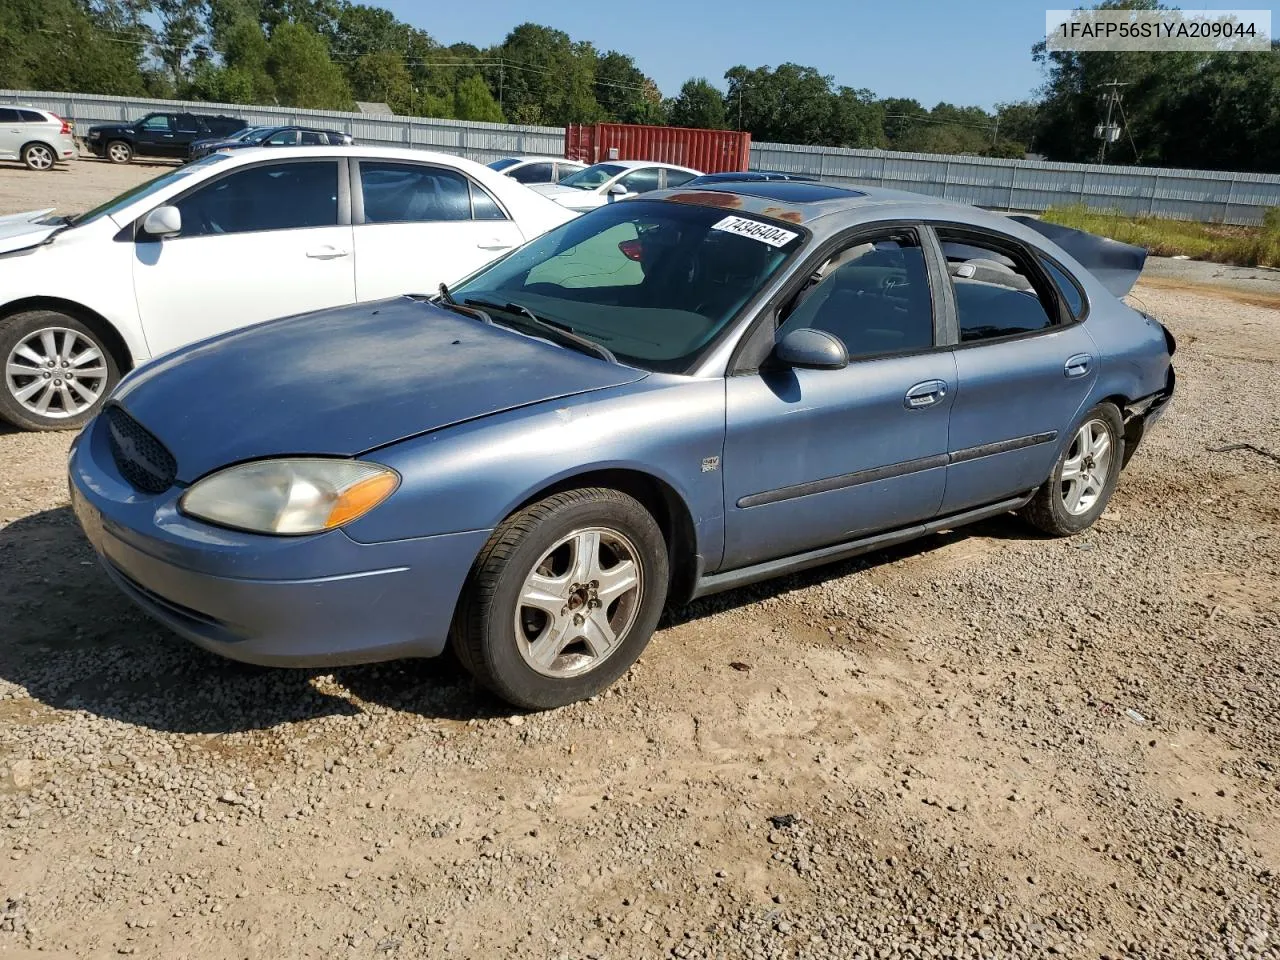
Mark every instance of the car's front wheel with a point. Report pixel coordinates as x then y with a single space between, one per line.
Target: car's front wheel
1084 477
38 156
57 371
563 598
119 152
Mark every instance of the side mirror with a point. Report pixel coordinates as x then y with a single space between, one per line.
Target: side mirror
811 349
618 190
163 222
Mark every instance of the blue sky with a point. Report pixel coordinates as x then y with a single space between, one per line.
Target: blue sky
976 53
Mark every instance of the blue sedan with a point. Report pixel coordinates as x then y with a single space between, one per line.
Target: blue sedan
663 398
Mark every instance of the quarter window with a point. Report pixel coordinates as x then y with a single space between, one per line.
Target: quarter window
413 193
995 289
873 295
274 196
1071 294
483 206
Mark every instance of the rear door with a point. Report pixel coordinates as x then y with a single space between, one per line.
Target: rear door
187 130
259 242
418 225
1025 366
11 133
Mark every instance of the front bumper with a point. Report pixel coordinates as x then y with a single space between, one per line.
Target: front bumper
323 600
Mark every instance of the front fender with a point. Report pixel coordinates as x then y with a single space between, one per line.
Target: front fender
472 476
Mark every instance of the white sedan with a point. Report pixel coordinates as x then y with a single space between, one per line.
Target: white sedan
531 170
230 240
603 183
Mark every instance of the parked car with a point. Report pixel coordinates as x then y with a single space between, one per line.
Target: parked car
748 176
531 170
158 135
603 183
658 400
271 137
230 240
38 138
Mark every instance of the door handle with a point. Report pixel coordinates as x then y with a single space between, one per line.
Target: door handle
1077 366
327 253
494 244
925 394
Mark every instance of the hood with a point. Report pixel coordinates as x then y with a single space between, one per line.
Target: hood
1116 265
18 231
343 381
553 189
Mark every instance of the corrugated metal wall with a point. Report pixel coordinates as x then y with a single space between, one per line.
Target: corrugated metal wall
711 151
1023 185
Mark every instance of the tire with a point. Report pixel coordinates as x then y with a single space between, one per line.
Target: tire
70 394
118 151
39 157
496 635
1078 490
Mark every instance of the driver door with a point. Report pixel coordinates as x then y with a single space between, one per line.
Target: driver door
819 457
268 240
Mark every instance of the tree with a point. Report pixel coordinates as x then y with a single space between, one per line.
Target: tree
304 76
61 45
624 93
546 78
699 105
181 23
382 76
473 101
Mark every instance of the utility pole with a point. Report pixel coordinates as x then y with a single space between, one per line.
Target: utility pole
502 74
1104 132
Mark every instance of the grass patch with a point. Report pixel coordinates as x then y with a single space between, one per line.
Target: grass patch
1218 242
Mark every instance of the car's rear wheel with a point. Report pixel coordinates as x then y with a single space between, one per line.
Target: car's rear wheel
119 152
563 598
39 156
1084 477
57 371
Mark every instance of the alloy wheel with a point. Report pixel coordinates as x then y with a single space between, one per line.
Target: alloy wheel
579 602
118 153
1085 471
39 157
56 373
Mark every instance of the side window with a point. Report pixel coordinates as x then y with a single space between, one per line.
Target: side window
994 288
874 295
483 206
642 180
282 139
157 122
676 178
187 123
271 196
413 193
533 173
1071 294
567 170
8 116
30 116
311 138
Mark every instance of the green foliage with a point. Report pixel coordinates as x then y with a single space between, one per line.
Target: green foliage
1245 246
473 101
699 105
304 76
65 45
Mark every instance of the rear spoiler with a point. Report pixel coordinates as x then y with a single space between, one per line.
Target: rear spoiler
1116 265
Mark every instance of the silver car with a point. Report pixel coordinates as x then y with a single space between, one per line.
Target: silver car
36 137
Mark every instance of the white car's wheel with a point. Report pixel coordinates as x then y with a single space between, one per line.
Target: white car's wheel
57 371
38 156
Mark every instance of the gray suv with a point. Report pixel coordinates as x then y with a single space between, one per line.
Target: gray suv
36 137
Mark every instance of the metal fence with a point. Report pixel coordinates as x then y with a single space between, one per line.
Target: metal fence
1022 185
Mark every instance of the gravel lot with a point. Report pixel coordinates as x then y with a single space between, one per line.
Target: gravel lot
984 744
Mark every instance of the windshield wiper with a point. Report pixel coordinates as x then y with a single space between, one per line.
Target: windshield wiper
445 295
445 299
561 330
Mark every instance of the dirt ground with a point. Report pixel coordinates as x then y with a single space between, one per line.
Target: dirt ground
984 744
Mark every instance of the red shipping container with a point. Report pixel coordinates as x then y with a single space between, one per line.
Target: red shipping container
711 151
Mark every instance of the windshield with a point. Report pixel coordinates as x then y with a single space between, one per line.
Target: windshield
653 282
503 163
145 189
593 177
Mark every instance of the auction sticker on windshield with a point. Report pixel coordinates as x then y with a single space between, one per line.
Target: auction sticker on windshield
764 232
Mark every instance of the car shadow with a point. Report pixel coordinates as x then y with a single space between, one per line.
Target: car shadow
74 642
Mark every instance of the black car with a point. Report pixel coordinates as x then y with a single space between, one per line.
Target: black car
746 176
271 137
158 135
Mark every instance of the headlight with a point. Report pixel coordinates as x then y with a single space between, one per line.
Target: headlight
290 496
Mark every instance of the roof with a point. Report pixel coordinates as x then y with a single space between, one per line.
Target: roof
373 107
535 159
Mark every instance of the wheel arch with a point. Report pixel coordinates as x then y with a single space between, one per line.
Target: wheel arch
657 496
112 338
43 143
